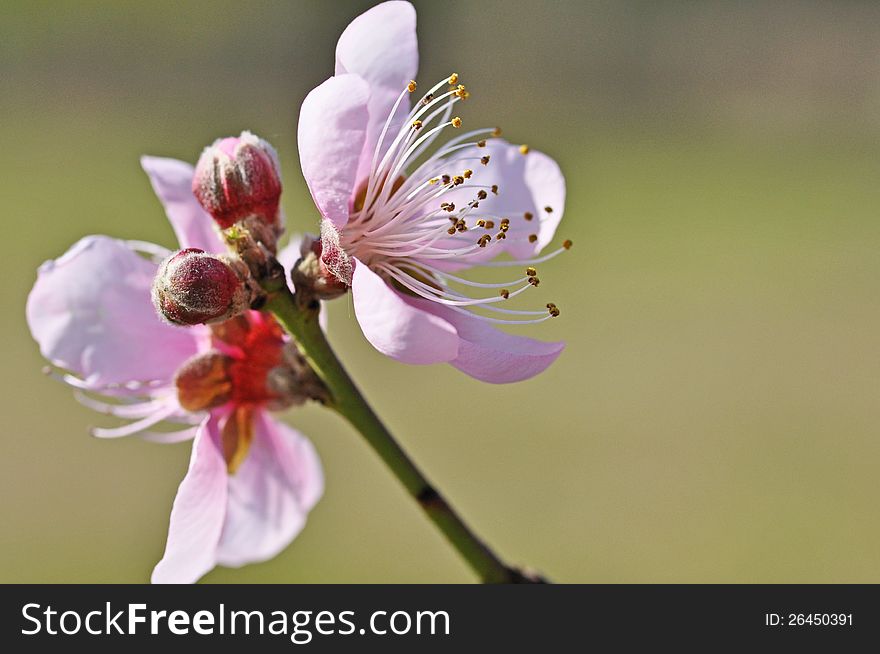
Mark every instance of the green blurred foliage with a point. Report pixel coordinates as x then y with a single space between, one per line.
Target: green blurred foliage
714 417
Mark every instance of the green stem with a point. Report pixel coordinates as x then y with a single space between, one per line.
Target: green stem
302 324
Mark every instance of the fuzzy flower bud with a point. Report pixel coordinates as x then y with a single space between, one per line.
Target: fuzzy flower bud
192 288
311 275
238 177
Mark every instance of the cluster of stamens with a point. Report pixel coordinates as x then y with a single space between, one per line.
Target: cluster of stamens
405 229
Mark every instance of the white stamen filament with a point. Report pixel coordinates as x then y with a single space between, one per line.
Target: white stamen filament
147 403
400 232
136 426
418 110
128 411
440 275
442 296
524 262
128 389
169 437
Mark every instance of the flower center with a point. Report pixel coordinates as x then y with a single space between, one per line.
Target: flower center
254 342
430 222
236 370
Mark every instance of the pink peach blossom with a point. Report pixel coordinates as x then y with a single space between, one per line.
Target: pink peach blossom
396 230
252 480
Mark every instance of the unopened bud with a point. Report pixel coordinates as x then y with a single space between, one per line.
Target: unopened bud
192 288
311 275
237 177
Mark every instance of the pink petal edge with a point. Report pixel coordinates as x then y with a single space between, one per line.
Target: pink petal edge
396 328
270 495
198 513
91 313
331 132
491 355
172 182
381 46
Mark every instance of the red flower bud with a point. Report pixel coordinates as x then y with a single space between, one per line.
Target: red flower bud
193 288
238 177
313 277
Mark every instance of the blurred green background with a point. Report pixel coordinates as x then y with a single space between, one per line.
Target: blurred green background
715 416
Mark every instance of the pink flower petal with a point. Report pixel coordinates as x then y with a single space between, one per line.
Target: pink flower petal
396 328
526 183
198 512
380 45
331 132
270 495
91 313
489 354
172 182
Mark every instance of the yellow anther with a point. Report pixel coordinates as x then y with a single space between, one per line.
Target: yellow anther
461 226
531 272
411 87
500 235
524 149
485 160
483 240
450 206
482 194
481 144
417 124
552 309
451 230
505 293
427 99
481 223
458 179
505 221
467 173
567 244
433 180
490 224
495 189
534 281
496 132
474 204
446 179
453 79
456 122
533 238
